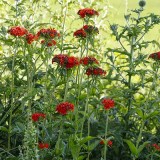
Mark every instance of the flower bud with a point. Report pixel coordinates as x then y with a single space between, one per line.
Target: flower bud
142 3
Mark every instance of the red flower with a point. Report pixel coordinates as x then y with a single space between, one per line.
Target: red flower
88 60
109 143
30 38
90 29
87 12
36 116
17 31
108 103
80 33
95 71
66 61
48 33
64 107
43 145
71 62
50 43
155 56
156 146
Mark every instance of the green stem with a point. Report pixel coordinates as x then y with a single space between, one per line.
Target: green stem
63 24
86 107
105 137
140 134
66 88
12 96
130 80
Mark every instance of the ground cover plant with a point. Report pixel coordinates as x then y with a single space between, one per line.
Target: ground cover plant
65 94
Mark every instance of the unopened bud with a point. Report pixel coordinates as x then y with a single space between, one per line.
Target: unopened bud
142 3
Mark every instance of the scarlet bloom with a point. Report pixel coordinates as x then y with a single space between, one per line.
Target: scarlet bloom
95 71
43 145
87 12
80 33
156 146
64 107
30 38
109 143
155 56
90 29
66 61
88 60
50 43
36 116
108 103
48 33
17 31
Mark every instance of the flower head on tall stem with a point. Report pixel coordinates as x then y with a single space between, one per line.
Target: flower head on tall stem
80 33
87 12
36 116
96 71
64 107
88 61
155 56
17 31
43 145
108 103
31 37
66 61
48 33
90 29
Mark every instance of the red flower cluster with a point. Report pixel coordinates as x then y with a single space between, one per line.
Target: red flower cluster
17 31
48 33
36 116
50 43
156 146
155 56
109 143
95 71
43 145
65 61
108 103
87 12
88 60
90 29
64 107
86 30
80 33
30 38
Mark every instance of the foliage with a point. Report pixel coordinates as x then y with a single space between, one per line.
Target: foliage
65 95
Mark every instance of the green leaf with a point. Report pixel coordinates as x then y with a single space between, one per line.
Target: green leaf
139 112
132 147
93 145
86 139
3 129
74 147
156 154
81 157
141 147
155 113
